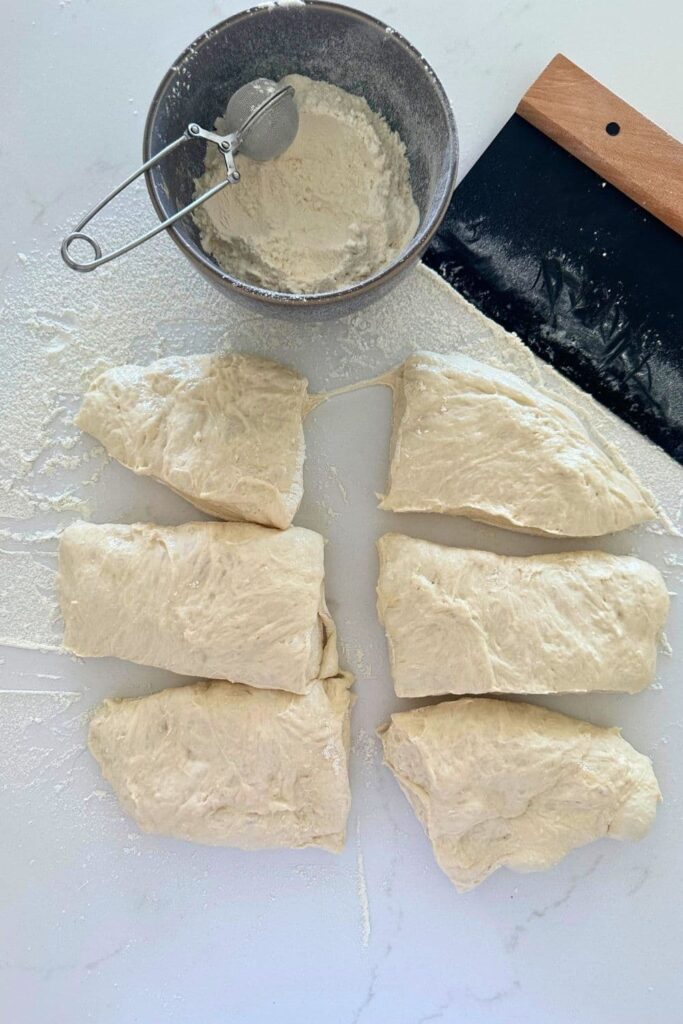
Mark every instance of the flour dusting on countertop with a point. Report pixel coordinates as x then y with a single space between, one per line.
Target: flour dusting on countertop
362 886
59 329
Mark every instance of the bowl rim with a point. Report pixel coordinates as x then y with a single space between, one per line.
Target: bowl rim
412 252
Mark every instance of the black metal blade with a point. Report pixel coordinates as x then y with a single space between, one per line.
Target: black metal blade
588 279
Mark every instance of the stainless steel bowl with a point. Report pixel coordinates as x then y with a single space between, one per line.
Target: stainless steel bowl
324 41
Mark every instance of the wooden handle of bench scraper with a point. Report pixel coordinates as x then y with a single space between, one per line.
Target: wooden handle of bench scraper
610 137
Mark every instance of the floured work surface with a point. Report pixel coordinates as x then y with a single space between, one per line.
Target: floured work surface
71 844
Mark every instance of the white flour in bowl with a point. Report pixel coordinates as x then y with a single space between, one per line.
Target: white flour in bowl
335 208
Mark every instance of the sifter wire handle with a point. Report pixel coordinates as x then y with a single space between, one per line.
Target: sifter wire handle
226 143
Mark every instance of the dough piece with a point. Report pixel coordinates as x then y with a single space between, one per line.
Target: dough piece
461 621
219 600
469 440
499 784
228 765
224 431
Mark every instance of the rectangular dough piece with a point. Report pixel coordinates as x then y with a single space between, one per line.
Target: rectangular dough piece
462 621
228 765
501 784
223 431
218 600
470 440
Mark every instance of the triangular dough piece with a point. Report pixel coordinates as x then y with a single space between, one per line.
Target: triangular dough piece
224 431
497 784
470 440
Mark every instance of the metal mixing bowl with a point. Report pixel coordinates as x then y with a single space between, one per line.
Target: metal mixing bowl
324 41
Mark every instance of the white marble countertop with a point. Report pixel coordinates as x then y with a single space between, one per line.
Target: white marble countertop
101 924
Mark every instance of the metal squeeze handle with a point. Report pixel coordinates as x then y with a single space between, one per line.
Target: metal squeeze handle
227 144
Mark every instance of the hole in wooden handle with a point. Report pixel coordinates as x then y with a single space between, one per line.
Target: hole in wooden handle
612 128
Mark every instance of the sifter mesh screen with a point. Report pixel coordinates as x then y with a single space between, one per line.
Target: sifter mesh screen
273 131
